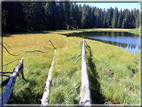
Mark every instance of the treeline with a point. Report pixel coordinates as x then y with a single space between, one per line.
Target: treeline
35 16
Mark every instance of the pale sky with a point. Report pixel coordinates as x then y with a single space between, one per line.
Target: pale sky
113 5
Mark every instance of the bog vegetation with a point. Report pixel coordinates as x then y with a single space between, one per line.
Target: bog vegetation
113 72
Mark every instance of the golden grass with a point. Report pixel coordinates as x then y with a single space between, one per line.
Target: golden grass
65 75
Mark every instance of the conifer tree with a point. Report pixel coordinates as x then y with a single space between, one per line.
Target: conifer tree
137 21
66 7
115 18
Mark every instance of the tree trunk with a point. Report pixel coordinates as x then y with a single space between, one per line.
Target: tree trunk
45 97
85 87
10 84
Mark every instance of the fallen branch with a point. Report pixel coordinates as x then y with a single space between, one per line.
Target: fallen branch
78 86
7 45
51 43
80 43
11 62
79 54
8 51
21 53
78 60
5 72
87 51
73 89
10 84
33 51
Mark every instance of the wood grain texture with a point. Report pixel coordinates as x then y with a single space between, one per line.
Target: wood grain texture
45 97
85 87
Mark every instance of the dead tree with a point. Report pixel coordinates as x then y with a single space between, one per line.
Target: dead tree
45 97
85 86
10 84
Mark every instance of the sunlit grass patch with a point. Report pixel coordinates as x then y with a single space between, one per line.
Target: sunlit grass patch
65 87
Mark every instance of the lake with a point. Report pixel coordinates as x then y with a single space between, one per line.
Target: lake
125 40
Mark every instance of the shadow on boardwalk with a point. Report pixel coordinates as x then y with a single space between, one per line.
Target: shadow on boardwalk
97 97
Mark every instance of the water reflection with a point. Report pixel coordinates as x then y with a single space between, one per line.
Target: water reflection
132 48
128 41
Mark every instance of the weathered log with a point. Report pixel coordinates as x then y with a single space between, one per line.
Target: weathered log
85 87
10 84
45 97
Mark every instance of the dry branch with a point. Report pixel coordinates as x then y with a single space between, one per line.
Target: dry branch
11 62
10 84
73 89
51 43
85 87
7 45
78 60
5 72
33 51
20 50
78 86
79 54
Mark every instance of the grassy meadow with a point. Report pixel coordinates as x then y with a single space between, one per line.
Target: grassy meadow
113 72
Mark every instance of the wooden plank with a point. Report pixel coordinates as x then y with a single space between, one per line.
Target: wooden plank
45 97
10 84
85 87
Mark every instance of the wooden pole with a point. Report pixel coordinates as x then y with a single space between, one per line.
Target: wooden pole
85 87
10 84
45 97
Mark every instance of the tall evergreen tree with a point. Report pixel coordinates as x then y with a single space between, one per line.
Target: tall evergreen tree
132 19
115 18
28 14
15 20
83 19
59 19
120 19
137 21
88 17
50 15
38 16
109 17
33 16
66 7
80 15
127 19
92 17
73 16
77 15
98 18
104 19
4 14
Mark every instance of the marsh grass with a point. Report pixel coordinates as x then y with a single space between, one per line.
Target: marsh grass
123 85
134 31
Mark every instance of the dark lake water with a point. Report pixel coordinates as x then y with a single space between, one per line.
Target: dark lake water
125 40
